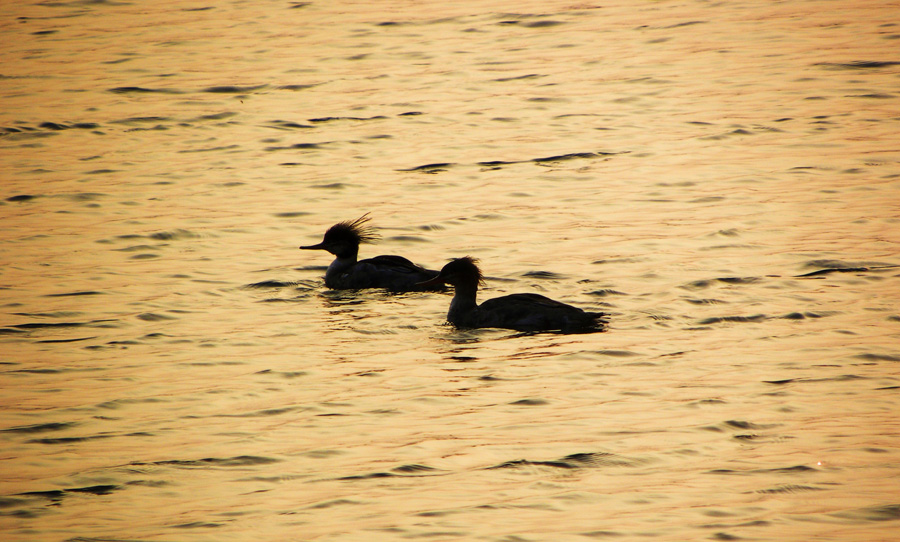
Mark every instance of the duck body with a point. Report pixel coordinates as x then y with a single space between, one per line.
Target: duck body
394 273
526 312
521 312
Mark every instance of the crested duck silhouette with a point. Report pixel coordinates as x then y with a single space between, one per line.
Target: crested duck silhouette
522 312
393 273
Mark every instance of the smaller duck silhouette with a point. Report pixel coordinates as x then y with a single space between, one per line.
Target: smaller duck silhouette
522 312
394 273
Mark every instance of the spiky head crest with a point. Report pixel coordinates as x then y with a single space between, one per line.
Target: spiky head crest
352 229
466 267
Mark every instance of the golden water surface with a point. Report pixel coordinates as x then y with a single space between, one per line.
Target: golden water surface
723 178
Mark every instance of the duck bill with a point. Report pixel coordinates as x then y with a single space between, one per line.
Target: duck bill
320 246
432 282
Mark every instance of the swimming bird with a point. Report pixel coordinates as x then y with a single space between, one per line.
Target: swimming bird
394 273
522 312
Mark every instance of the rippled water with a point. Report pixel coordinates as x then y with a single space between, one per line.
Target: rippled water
722 178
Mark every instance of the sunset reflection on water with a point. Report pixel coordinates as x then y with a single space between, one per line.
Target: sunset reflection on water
721 178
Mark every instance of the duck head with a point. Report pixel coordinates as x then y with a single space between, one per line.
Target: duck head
343 239
460 272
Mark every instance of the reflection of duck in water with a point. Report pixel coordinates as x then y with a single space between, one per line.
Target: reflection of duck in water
522 312
394 273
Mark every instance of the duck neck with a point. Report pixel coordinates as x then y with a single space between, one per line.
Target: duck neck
342 262
463 301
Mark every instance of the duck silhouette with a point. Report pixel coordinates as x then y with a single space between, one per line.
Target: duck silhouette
522 312
394 273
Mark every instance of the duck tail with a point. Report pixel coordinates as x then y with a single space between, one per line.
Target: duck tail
597 321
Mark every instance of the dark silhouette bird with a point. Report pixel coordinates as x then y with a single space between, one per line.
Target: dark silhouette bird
522 312
393 273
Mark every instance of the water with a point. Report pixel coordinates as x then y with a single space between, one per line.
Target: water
173 368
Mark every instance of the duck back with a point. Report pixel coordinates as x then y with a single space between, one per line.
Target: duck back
394 273
534 312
